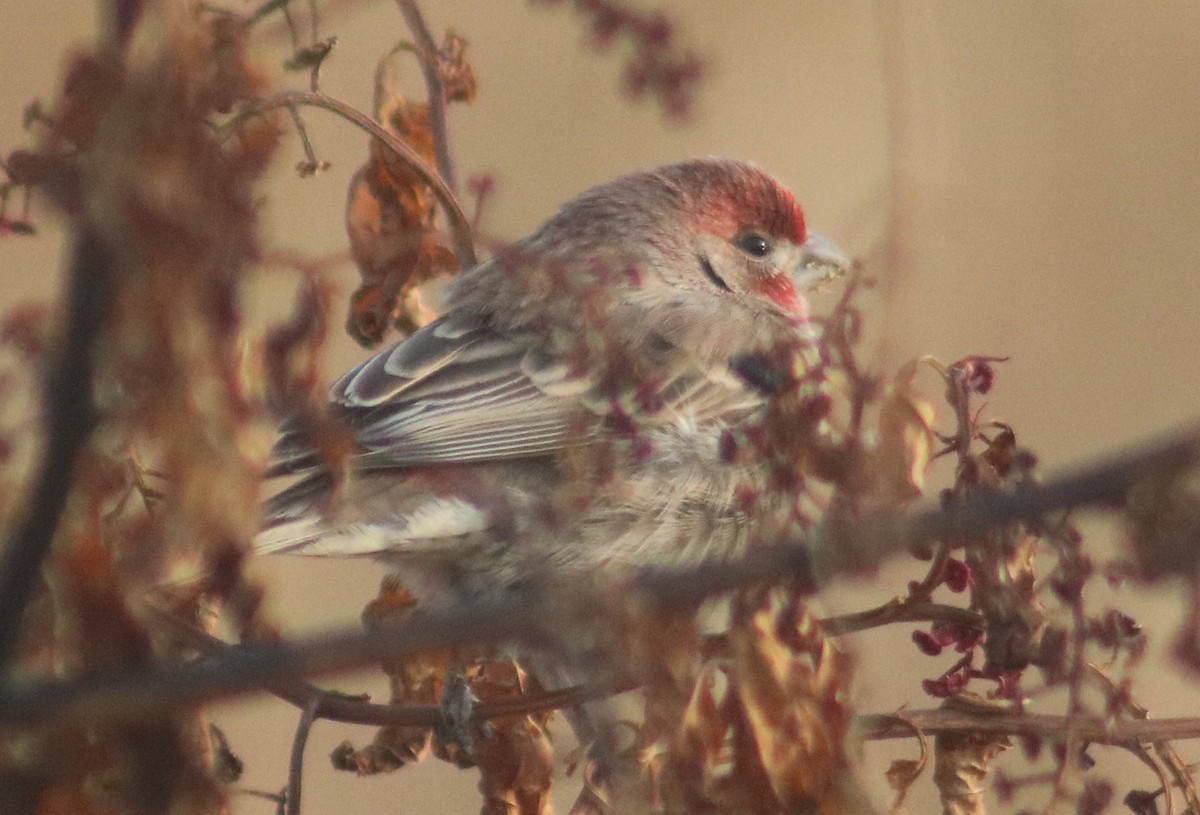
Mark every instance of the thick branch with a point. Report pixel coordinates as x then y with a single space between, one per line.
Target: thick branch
857 544
340 708
134 690
70 414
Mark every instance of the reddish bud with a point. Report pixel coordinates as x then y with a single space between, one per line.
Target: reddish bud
981 377
657 29
1141 802
816 408
957 575
1004 787
927 643
728 447
642 449
935 688
746 499
1031 745
481 185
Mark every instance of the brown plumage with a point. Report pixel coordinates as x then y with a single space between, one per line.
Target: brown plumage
567 413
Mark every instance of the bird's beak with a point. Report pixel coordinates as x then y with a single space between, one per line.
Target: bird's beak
820 261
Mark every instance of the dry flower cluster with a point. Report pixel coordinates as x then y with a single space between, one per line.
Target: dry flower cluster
149 461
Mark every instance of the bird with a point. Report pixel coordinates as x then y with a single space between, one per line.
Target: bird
572 413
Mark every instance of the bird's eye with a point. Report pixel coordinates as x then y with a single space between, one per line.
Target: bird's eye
753 244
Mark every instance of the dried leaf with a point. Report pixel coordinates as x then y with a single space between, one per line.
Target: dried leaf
960 770
791 682
903 772
513 753
906 446
390 214
417 679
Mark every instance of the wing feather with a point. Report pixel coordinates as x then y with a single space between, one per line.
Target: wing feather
449 394
459 394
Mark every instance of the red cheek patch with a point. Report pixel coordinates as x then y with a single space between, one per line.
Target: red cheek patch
779 290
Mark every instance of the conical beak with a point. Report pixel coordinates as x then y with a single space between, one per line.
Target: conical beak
820 261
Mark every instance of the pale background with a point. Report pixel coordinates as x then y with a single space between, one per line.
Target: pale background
1034 166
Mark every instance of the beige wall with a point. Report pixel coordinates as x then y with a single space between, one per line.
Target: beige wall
1040 162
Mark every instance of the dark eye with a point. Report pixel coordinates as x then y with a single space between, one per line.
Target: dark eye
753 244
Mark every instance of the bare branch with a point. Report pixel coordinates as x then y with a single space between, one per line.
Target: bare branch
1091 729
460 225
427 52
310 714
338 707
70 414
856 544
134 691
900 611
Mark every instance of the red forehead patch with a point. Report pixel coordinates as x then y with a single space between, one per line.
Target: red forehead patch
761 203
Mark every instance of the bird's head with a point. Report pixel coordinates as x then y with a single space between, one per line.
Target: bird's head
748 234
699 240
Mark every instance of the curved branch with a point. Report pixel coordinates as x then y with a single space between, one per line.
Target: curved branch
311 712
460 225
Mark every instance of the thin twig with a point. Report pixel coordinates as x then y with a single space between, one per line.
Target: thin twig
310 714
900 611
460 225
70 414
427 52
1092 729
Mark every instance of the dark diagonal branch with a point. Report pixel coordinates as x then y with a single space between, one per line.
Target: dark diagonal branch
338 707
134 691
69 414
855 545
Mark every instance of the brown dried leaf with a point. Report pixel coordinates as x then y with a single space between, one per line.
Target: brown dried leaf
961 765
906 445
765 727
458 75
791 682
513 753
227 766
417 679
97 628
390 215
292 351
701 764
903 773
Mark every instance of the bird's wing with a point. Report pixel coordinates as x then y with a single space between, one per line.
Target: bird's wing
450 394
453 394
462 394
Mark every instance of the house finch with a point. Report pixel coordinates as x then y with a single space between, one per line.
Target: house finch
577 409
